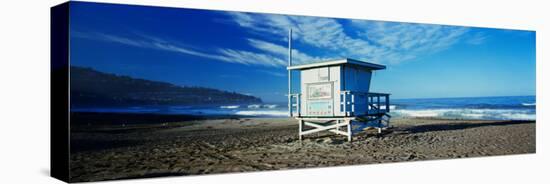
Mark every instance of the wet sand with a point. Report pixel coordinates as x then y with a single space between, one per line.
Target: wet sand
115 149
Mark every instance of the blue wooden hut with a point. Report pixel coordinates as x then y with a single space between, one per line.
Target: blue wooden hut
335 96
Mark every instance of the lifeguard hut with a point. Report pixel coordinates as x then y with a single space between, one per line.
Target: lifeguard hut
334 96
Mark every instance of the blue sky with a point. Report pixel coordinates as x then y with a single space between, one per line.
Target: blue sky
246 52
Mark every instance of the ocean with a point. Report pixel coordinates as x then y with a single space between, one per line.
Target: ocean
483 108
486 108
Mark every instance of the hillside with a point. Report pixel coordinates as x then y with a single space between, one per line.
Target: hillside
91 88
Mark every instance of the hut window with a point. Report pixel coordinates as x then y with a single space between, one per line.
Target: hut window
324 74
319 91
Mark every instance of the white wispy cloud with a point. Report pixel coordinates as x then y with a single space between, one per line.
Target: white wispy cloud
374 41
404 41
220 54
477 38
280 51
382 42
249 58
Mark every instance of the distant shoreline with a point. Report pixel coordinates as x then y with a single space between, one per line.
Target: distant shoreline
483 108
113 118
88 121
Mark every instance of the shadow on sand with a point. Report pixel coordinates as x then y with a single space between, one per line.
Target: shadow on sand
458 126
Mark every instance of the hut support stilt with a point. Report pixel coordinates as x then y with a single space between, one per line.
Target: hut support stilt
325 124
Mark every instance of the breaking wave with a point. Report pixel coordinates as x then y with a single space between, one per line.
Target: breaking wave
229 106
260 106
392 107
496 114
529 104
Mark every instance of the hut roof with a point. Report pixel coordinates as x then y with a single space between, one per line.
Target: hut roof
346 61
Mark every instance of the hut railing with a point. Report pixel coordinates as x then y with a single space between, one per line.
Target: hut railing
376 103
294 104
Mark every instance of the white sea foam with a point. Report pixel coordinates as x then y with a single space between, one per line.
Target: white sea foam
421 113
262 113
474 116
270 106
518 116
258 106
529 104
254 106
392 107
229 107
504 114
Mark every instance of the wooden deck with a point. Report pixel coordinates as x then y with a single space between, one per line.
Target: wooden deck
378 107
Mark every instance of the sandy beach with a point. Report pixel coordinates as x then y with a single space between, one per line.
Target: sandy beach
157 145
